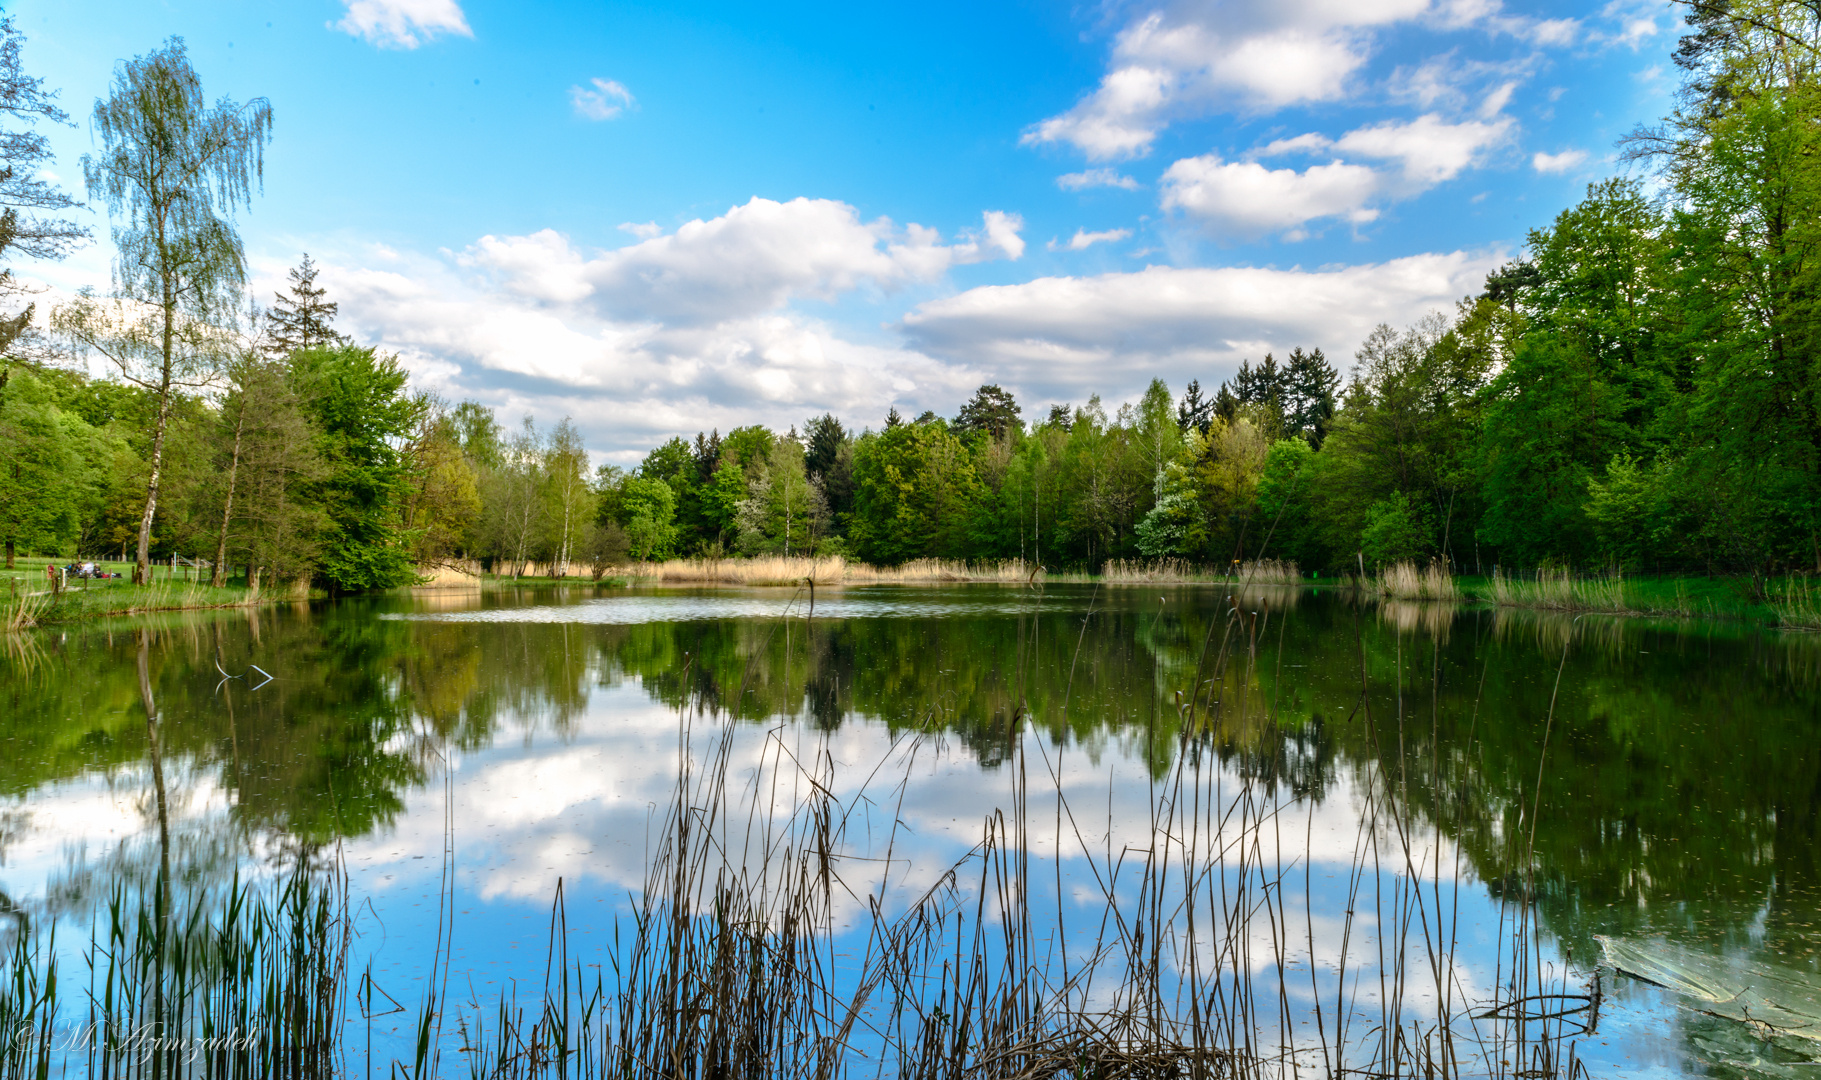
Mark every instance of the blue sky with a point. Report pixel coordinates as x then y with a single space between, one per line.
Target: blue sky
660 218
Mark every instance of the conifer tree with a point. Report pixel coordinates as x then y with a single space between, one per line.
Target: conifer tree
301 318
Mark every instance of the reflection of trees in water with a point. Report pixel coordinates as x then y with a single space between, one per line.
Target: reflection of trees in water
1682 787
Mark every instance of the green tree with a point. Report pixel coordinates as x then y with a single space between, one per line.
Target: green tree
1588 377
647 509
356 401
42 478
992 412
302 316
171 171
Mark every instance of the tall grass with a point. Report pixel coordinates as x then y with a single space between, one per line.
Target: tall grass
1254 572
24 609
1561 590
1408 581
254 987
1797 604
832 570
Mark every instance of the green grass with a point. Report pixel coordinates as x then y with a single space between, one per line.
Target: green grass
1693 596
25 598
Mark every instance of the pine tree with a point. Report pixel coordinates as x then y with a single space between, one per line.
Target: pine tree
992 410
1195 411
300 320
1310 385
824 444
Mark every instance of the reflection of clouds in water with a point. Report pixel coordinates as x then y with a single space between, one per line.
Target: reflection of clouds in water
588 809
74 837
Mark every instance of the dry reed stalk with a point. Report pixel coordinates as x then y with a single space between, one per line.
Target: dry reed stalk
25 609
1408 581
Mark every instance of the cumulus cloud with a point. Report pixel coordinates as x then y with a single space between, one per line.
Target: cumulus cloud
755 258
602 99
1427 150
1083 239
1183 59
1061 338
644 230
1247 199
1185 62
1093 178
402 24
1244 198
1564 162
673 332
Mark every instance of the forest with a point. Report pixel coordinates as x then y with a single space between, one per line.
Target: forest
1640 389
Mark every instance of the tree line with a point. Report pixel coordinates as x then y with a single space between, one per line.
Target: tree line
1641 388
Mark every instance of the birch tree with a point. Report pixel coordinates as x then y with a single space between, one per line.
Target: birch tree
171 172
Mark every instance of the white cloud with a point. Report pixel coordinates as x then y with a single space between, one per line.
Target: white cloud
1183 59
644 230
1168 65
1063 337
605 101
755 258
1564 162
674 332
402 24
1083 239
1428 150
1245 198
1093 178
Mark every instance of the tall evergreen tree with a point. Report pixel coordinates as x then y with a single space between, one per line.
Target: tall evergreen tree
301 317
1310 387
1194 411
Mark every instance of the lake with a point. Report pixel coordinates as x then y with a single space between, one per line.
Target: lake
1345 834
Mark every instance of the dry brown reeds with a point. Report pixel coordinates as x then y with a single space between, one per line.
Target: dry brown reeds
1163 571
1408 581
828 570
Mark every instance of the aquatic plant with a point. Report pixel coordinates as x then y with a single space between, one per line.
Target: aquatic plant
1797 604
1560 590
1408 581
1252 572
252 988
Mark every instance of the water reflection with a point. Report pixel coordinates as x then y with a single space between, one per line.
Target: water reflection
1642 778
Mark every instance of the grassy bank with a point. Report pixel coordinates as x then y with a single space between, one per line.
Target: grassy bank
26 598
1689 597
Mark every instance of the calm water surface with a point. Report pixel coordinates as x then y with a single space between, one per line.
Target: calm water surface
512 739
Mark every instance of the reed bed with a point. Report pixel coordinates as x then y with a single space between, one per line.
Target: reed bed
1561 590
1408 581
1204 962
1254 572
82 601
24 609
251 988
1797 605
830 570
